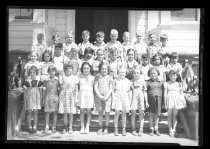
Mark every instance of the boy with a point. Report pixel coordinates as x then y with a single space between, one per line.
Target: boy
58 58
99 44
145 66
152 48
164 49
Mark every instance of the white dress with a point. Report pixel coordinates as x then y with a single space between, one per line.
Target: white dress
174 99
86 96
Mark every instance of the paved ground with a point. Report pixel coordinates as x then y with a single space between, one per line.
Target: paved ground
93 137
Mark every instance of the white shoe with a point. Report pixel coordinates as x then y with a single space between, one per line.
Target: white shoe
86 130
82 131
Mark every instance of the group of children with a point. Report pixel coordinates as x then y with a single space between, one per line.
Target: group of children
103 77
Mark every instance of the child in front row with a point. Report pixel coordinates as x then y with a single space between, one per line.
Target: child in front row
121 101
32 98
68 97
174 100
139 97
50 94
155 94
103 90
85 96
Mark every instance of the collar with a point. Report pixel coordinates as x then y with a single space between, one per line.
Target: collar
153 44
126 43
88 42
49 79
29 79
158 80
97 44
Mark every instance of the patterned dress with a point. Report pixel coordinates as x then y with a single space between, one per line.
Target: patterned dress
174 99
68 94
154 94
103 88
139 87
86 96
121 99
32 98
51 94
44 68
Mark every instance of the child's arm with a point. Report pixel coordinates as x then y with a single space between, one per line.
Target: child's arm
96 90
76 94
109 92
44 92
165 95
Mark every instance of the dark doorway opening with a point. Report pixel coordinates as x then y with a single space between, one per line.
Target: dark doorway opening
101 20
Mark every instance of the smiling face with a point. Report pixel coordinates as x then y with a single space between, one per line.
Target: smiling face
172 77
86 69
52 73
69 38
144 61
32 73
152 38
86 37
153 74
33 57
104 70
47 57
100 39
58 52
68 71
40 39
136 73
157 61
139 37
114 37
131 55
100 55
126 38
121 73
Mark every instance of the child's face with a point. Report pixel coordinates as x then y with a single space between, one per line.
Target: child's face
174 59
139 37
58 52
136 74
121 73
104 70
32 73
33 57
144 61
156 61
100 39
67 53
164 42
75 52
153 74
172 77
69 38
68 71
86 38
86 69
130 55
113 37
126 38
52 73
40 40
88 55
47 57
56 40
152 38
100 55
113 56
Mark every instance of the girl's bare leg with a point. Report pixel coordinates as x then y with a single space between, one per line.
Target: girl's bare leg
141 119
55 114
88 120
29 119
116 117
35 120
170 121
151 115
124 123
174 117
82 110
47 114
71 116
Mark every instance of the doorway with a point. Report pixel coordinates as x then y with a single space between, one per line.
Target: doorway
100 20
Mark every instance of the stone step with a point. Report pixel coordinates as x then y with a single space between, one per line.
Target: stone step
163 124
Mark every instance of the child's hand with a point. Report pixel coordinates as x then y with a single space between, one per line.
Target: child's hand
147 105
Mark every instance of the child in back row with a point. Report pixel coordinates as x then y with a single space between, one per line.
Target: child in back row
58 58
126 45
100 44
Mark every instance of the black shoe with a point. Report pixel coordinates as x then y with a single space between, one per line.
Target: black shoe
157 132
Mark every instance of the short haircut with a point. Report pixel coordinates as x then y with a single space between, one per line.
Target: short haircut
151 35
100 34
47 52
126 33
86 63
70 33
174 54
59 45
99 50
32 52
163 36
157 55
40 35
151 69
85 32
113 50
113 32
121 67
67 66
130 50
139 32
55 36
106 64
52 68
145 56
33 68
88 50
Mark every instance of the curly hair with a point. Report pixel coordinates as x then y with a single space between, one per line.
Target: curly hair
86 63
47 52
157 55
33 68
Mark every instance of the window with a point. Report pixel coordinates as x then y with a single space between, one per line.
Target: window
24 14
184 15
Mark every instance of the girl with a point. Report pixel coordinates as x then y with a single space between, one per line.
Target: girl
50 94
139 46
174 100
131 63
126 45
98 61
121 100
55 41
31 62
145 66
157 63
85 97
68 46
155 95
88 55
40 47
32 97
75 61
103 90
82 46
138 99
46 62
68 97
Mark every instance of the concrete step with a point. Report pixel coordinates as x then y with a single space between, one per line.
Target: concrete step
163 124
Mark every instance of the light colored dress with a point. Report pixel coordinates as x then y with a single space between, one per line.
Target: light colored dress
174 99
58 63
121 98
103 88
51 94
85 96
32 98
139 87
44 68
68 94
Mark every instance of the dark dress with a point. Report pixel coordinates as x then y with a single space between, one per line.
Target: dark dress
155 94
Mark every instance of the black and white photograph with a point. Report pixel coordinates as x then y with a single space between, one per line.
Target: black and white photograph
104 75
